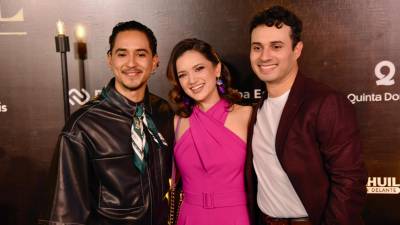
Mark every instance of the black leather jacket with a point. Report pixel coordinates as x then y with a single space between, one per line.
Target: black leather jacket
96 181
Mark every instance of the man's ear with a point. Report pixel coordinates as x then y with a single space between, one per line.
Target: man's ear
109 59
298 48
156 63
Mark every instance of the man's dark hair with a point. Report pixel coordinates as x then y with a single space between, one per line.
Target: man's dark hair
277 16
133 25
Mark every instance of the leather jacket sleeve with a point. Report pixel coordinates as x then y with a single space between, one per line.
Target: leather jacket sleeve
70 198
340 145
95 181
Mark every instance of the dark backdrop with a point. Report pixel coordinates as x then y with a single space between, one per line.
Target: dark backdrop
349 45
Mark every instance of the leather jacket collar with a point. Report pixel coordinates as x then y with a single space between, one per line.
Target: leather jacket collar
128 107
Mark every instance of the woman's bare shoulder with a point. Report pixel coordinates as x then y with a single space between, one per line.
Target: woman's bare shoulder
242 108
241 111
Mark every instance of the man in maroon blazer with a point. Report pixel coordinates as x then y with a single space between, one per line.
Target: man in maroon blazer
304 163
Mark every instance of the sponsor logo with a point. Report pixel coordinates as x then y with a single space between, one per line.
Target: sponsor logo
80 97
3 108
256 94
17 17
385 79
372 97
384 72
383 185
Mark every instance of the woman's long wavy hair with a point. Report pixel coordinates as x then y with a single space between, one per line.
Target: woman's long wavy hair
177 95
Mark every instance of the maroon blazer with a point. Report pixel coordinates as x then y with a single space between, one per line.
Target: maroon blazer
318 146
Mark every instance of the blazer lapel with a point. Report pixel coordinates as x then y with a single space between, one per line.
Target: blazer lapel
292 105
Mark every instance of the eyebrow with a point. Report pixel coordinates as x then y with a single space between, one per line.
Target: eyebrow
136 50
277 42
256 43
120 50
183 71
273 42
200 64
142 50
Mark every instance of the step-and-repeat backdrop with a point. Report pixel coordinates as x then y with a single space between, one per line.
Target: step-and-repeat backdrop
353 46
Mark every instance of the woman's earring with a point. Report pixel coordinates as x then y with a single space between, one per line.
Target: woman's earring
220 85
186 101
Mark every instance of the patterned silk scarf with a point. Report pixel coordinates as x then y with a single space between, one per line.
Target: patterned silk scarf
142 121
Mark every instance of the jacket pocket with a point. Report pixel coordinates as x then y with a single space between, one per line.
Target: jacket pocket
121 185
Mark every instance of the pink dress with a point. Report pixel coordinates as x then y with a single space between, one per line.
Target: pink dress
210 159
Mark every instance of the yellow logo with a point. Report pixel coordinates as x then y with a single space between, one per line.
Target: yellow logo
17 17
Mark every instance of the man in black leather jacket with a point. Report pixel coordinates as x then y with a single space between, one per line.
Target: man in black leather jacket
96 179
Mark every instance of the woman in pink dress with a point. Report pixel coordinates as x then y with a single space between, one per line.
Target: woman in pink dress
211 133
